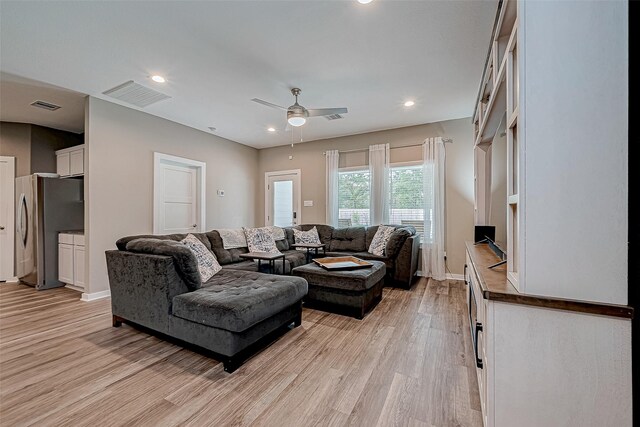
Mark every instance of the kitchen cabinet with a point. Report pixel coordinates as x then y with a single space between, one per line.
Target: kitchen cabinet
70 161
71 264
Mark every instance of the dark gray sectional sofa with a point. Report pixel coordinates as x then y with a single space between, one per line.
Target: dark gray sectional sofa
155 283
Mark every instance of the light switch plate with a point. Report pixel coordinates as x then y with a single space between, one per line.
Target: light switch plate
308 202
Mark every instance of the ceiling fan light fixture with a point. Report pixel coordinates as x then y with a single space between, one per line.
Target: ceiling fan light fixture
364 1
296 120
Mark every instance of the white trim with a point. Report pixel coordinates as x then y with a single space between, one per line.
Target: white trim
297 184
364 168
160 158
96 295
448 276
406 164
9 227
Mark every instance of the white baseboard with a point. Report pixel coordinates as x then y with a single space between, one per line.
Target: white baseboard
96 295
12 280
449 276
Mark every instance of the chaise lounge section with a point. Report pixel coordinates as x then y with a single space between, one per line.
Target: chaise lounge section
157 286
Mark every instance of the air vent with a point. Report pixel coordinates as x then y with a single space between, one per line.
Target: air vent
46 105
212 129
135 94
333 117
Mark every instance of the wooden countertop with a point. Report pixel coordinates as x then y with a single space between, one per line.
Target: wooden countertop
495 286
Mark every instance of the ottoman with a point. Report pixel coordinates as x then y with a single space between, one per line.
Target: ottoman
351 292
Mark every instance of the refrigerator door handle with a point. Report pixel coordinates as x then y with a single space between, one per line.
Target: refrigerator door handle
23 220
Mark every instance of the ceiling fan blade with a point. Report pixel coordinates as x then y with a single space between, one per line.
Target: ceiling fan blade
268 104
326 111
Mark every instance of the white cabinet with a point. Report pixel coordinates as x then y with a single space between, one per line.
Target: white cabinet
71 265
544 361
63 164
65 263
70 161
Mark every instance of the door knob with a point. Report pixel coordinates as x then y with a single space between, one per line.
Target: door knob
1 227
194 225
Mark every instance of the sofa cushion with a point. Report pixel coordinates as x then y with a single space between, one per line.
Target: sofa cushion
207 263
348 239
282 245
396 240
324 231
224 256
122 242
235 300
183 257
371 257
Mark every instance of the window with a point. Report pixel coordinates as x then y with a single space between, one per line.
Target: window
406 196
353 198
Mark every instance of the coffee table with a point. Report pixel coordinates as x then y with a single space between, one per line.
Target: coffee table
267 256
350 292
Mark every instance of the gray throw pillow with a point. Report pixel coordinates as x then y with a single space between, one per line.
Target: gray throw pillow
207 263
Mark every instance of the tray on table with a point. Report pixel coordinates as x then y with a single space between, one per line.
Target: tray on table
342 263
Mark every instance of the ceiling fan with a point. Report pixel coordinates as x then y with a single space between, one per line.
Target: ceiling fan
297 114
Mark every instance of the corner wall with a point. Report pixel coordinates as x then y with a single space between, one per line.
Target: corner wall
120 143
459 173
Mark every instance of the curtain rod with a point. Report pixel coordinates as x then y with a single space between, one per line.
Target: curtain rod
444 140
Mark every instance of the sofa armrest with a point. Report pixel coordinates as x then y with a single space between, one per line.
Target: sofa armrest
143 287
407 262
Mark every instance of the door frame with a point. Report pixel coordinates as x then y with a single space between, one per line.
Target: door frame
297 183
160 159
10 227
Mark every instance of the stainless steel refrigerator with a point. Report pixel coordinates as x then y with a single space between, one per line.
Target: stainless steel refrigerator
45 205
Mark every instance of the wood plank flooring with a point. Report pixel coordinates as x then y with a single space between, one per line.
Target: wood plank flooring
409 362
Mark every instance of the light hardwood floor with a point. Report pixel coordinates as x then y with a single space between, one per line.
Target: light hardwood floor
409 362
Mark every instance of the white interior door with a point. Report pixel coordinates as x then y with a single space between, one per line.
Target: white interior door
282 201
7 216
178 196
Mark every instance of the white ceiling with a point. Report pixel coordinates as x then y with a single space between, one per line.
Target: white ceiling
218 55
17 94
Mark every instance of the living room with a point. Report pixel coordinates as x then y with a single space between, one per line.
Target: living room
407 74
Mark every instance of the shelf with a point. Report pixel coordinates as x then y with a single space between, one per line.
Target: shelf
513 120
495 110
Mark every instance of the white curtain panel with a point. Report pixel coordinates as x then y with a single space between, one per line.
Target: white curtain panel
433 155
379 174
331 159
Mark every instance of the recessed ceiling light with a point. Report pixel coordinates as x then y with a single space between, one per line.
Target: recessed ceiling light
409 104
271 129
158 79
364 1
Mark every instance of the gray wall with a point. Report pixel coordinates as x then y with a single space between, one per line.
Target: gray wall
45 142
34 146
120 143
309 159
15 141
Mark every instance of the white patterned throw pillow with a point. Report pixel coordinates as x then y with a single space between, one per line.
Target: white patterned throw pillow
306 237
379 242
207 263
260 240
